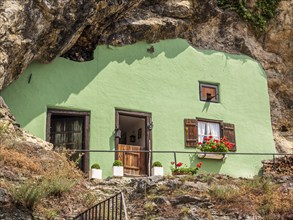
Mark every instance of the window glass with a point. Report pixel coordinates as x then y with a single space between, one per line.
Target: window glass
206 129
209 92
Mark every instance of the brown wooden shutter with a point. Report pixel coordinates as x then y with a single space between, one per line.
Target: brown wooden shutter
191 132
229 133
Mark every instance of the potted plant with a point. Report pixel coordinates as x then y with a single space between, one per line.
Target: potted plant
212 144
182 169
118 168
157 169
96 172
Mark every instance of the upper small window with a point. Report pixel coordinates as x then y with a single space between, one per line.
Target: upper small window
209 92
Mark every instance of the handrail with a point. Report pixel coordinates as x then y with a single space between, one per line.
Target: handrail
187 152
110 208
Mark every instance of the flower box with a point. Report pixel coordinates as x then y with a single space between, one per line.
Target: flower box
96 174
212 156
158 171
118 171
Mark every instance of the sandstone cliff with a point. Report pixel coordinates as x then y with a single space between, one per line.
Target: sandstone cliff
42 30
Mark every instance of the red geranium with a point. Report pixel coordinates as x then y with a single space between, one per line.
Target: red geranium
199 165
210 136
215 145
179 164
172 162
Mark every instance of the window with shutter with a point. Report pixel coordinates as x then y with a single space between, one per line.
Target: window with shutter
228 131
197 129
191 132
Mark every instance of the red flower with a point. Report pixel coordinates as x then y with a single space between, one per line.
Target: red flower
224 138
179 164
199 165
208 143
214 147
172 162
199 143
206 139
210 136
216 140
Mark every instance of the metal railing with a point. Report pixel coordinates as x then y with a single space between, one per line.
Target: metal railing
150 152
112 208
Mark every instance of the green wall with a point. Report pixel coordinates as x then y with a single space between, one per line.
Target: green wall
166 84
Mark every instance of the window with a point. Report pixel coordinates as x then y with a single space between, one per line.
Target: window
209 92
206 129
197 129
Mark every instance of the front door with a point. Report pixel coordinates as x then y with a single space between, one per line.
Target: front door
133 133
69 129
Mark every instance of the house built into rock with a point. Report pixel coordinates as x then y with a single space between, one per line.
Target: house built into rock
162 96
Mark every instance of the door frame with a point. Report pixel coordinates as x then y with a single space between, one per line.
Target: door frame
86 129
148 133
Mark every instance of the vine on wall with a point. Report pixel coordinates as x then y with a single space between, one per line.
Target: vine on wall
256 12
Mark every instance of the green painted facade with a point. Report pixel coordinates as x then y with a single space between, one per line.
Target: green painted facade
164 83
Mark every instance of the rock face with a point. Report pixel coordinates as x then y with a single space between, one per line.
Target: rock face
41 30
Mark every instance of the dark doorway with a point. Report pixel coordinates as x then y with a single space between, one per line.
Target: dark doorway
134 132
70 130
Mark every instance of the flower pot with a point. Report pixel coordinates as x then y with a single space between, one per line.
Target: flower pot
222 156
96 174
158 171
118 171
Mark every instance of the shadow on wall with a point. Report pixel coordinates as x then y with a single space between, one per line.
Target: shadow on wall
210 166
55 82
52 84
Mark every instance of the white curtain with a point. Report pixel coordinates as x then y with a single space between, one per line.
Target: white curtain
201 131
214 130
206 129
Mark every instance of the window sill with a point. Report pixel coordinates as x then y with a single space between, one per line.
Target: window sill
213 156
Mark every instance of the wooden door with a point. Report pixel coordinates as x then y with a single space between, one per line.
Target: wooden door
69 130
133 162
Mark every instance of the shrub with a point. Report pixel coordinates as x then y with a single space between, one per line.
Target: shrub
28 194
224 193
57 185
157 164
96 166
118 163
179 170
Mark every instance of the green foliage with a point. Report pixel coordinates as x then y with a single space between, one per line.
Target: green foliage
225 194
95 166
258 15
28 194
157 164
213 145
259 185
57 185
184 170
118 163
